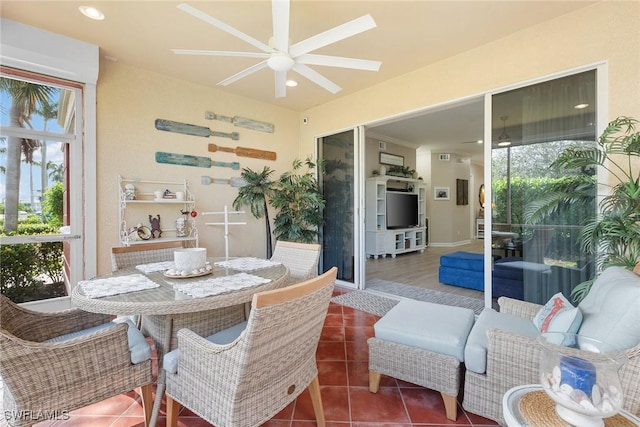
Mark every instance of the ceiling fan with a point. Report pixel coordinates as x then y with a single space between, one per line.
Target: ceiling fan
282 57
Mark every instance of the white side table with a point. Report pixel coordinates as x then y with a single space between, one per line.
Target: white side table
514 418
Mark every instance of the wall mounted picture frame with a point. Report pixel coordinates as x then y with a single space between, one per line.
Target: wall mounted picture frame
462 192
391 159
441 193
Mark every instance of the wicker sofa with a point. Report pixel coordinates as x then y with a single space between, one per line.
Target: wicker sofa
611 313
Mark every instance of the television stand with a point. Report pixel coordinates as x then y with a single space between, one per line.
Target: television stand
383 241
406 240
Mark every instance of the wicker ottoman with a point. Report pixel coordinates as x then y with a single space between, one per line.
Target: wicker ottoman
422 343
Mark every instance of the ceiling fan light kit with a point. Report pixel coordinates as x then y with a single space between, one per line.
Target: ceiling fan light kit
282 57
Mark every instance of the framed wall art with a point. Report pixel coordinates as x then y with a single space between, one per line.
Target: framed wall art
441 193
391 159
462 191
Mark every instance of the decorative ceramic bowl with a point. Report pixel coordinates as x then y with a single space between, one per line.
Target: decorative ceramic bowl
580 374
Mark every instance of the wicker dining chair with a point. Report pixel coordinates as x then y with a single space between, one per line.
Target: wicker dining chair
245 375
300 258
130 256
50 364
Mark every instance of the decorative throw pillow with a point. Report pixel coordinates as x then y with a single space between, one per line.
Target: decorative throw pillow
558 315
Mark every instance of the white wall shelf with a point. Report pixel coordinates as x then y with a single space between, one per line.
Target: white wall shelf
131 212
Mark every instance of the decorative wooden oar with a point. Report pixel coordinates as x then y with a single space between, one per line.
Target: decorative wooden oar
183 159
198 161
242 122
245 152
235 181
187 129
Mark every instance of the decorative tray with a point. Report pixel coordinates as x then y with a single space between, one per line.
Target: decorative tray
173 274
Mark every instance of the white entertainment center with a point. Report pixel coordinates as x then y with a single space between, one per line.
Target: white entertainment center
381 240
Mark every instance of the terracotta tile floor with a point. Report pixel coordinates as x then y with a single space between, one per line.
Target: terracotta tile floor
343 365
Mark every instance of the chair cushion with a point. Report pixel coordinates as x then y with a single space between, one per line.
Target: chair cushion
611 309
226 336
475 352
558 315
439 328
138 346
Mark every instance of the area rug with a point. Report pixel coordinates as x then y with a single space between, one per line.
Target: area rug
366 301
371 301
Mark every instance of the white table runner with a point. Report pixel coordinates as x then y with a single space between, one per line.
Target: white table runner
116 285
219 285
247 264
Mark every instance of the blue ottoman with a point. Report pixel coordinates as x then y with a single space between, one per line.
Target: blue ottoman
422 343
524 280
464 269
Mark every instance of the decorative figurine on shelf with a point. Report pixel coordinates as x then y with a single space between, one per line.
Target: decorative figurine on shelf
181 224
129 192
168 194
155 226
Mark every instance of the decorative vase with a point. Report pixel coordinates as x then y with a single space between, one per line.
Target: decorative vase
383 170
580 374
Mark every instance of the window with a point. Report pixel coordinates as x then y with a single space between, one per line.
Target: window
40 140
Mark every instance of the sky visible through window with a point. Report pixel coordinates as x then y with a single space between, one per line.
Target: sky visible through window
54 154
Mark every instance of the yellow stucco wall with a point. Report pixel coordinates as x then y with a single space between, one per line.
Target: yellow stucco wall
129 101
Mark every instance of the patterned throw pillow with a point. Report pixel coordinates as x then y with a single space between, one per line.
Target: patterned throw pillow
558 315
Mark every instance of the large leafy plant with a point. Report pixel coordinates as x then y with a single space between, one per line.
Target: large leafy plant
299 202
255 193
612 236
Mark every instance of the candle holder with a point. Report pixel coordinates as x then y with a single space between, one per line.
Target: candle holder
580 374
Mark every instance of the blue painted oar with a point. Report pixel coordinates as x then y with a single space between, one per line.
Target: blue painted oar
183 159
187 129
234 181
233 165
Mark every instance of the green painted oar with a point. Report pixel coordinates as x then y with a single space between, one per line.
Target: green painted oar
187 129
183 159
234 181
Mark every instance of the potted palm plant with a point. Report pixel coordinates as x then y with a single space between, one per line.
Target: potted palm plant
255 194
612 236
299 202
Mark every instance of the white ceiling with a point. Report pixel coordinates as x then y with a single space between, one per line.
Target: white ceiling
409 35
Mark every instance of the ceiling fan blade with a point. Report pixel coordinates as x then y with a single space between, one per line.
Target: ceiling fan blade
281 84
339 61
333 35
224 27
219 53
317 78
280 12
243 73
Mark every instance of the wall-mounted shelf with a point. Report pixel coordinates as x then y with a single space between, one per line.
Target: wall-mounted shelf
131 213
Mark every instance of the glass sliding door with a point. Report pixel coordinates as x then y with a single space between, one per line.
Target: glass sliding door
339 236
534 243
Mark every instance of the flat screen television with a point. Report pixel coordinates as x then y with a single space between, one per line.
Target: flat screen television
402 210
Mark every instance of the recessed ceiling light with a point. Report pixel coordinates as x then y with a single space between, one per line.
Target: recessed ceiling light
580 106
480 141
291 83
91 12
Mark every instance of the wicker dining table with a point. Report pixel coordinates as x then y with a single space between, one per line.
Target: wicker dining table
165 308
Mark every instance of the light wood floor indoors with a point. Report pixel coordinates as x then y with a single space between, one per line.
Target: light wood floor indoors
420 269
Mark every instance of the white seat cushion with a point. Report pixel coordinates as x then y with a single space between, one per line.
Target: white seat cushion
438 328
139 348
226 336
475 352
